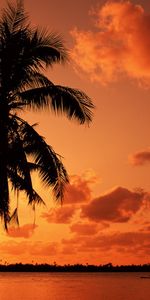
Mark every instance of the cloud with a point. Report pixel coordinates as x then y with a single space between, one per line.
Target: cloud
119 205
25 231
84 229
140 158
37 248
118 45
43 249
118 241
145 228
13 248
131 242
88 228
60 215
79 190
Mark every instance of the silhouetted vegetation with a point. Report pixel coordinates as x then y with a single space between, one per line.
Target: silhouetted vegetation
25 52
19 267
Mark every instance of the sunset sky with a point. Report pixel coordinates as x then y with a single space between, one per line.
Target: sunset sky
106 212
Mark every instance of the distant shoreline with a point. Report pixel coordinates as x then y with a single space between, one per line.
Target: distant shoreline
19 267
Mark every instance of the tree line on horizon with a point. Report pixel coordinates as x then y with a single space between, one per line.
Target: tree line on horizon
20 267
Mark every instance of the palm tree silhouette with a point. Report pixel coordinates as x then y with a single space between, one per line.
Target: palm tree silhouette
25 52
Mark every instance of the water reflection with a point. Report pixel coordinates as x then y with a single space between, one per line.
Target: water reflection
73 286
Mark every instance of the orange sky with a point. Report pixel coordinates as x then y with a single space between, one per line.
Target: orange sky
105 216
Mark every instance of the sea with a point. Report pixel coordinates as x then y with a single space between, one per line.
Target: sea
74 286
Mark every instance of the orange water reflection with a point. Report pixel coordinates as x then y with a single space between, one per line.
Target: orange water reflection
73 286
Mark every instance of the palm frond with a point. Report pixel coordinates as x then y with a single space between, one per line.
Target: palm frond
21 184
36 200
74 103
47 48
14 218
14 16
51 169
17 159
32 79
25 49
22 61
37 79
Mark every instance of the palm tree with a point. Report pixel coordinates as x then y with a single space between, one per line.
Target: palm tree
25 52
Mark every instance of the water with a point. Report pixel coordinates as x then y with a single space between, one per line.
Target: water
74 286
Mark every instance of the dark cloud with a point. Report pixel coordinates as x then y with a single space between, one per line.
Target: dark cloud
84 228
140 158
119 241
76 193
25 231
78 190
62 214
119 205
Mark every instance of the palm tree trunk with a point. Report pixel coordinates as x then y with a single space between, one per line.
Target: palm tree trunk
4 191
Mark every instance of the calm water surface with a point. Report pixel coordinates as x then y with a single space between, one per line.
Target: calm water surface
73 286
